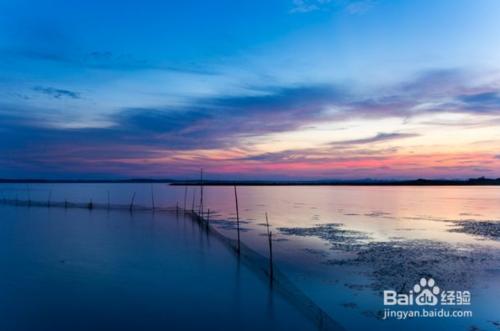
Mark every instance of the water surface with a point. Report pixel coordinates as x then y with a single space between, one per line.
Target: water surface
363 239
96 270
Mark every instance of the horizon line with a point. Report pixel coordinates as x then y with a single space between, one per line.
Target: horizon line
262 182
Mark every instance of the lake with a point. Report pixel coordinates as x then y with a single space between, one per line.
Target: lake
342 246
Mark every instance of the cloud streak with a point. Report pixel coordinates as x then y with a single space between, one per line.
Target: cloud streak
380 137
102 60
56 93
350 6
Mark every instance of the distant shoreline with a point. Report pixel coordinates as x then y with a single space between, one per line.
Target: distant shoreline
482 181
83 181
416 182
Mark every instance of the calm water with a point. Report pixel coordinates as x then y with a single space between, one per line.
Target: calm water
401 233
81 270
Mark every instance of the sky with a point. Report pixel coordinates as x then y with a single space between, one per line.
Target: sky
302 89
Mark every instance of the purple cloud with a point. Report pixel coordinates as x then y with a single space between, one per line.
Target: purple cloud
221 122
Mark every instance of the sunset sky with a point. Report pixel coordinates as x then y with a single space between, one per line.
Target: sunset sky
250 89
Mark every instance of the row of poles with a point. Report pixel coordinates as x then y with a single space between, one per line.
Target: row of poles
201 213
199 216
238 241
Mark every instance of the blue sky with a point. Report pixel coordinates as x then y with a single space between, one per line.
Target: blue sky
249 88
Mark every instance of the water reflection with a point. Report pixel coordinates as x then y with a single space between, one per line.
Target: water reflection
417 225
84 269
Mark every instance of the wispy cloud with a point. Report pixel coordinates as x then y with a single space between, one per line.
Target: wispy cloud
323 154
158 136
359 7
377 138
102 60
57 93
221 121
350 6
305 6
107 60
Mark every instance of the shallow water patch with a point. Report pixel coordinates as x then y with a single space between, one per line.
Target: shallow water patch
395 264
333 233
484 229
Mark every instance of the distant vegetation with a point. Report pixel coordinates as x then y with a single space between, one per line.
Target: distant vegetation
361 182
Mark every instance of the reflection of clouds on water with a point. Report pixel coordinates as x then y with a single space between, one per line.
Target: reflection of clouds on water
379 214
229 224
276 239
422 218
470 214
340 263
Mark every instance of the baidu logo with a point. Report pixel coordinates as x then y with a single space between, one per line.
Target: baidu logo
430 299
426 293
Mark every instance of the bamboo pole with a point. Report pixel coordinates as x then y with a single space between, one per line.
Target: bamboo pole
270 239
185 197
201 192
208 218
131 207
192 206
237 218
271 269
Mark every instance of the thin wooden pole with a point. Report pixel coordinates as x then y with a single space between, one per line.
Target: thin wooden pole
192 206
237 218
270 239
208 217
90 205
50 196
109 201
131 207
185 197
271 269
201 192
